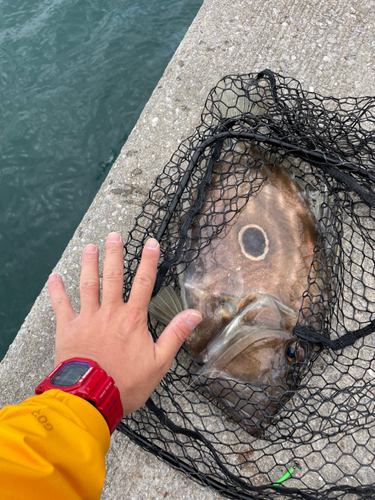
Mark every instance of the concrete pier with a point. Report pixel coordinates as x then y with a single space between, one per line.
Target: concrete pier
328 45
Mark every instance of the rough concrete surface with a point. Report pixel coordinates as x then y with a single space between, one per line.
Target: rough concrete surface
328 45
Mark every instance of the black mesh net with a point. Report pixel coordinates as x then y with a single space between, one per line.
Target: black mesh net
265 218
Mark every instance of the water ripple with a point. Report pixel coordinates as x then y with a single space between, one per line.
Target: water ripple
74 77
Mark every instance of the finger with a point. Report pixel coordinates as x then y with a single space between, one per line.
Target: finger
113 272
144 280
59 300
89 285
174 335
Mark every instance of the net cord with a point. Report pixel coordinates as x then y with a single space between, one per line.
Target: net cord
285 138
164 420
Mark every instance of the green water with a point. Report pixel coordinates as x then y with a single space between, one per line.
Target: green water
74 77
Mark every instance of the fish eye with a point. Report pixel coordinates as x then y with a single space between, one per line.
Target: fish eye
291 354
253 242
294 352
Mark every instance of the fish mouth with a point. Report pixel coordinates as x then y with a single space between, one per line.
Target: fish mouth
246 365
255 317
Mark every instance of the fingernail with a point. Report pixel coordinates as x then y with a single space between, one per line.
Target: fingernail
152 244
193 319
54 277
90 249
114 238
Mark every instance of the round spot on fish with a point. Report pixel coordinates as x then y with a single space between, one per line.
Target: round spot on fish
253 242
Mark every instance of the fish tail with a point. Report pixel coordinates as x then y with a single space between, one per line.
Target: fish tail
166 305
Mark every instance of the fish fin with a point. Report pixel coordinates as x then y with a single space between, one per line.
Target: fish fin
231 103
165 305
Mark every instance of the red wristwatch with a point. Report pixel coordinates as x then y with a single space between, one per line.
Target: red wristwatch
85 378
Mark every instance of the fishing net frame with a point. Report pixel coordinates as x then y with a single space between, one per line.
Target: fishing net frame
322 439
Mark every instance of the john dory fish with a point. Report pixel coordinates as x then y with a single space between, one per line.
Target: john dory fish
248 285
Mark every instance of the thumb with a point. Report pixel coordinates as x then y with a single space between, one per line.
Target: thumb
175 334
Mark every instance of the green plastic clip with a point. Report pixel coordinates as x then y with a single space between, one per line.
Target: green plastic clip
285 476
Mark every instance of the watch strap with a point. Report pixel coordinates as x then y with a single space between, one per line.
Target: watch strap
95 386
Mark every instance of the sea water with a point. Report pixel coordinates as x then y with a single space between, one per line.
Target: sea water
74 77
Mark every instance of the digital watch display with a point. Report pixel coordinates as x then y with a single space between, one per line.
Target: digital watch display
84 378
70 374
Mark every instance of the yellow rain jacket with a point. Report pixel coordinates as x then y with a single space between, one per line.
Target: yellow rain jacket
52 446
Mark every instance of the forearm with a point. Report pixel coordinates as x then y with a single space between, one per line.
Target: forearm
52 446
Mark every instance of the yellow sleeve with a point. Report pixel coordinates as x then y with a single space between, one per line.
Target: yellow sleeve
52 446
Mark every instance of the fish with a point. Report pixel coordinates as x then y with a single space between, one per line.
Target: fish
248 283
267 248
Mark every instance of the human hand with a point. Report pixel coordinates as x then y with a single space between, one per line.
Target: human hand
114 333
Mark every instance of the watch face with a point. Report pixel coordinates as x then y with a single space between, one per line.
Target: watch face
70 374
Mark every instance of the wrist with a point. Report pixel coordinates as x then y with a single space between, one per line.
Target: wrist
84 378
